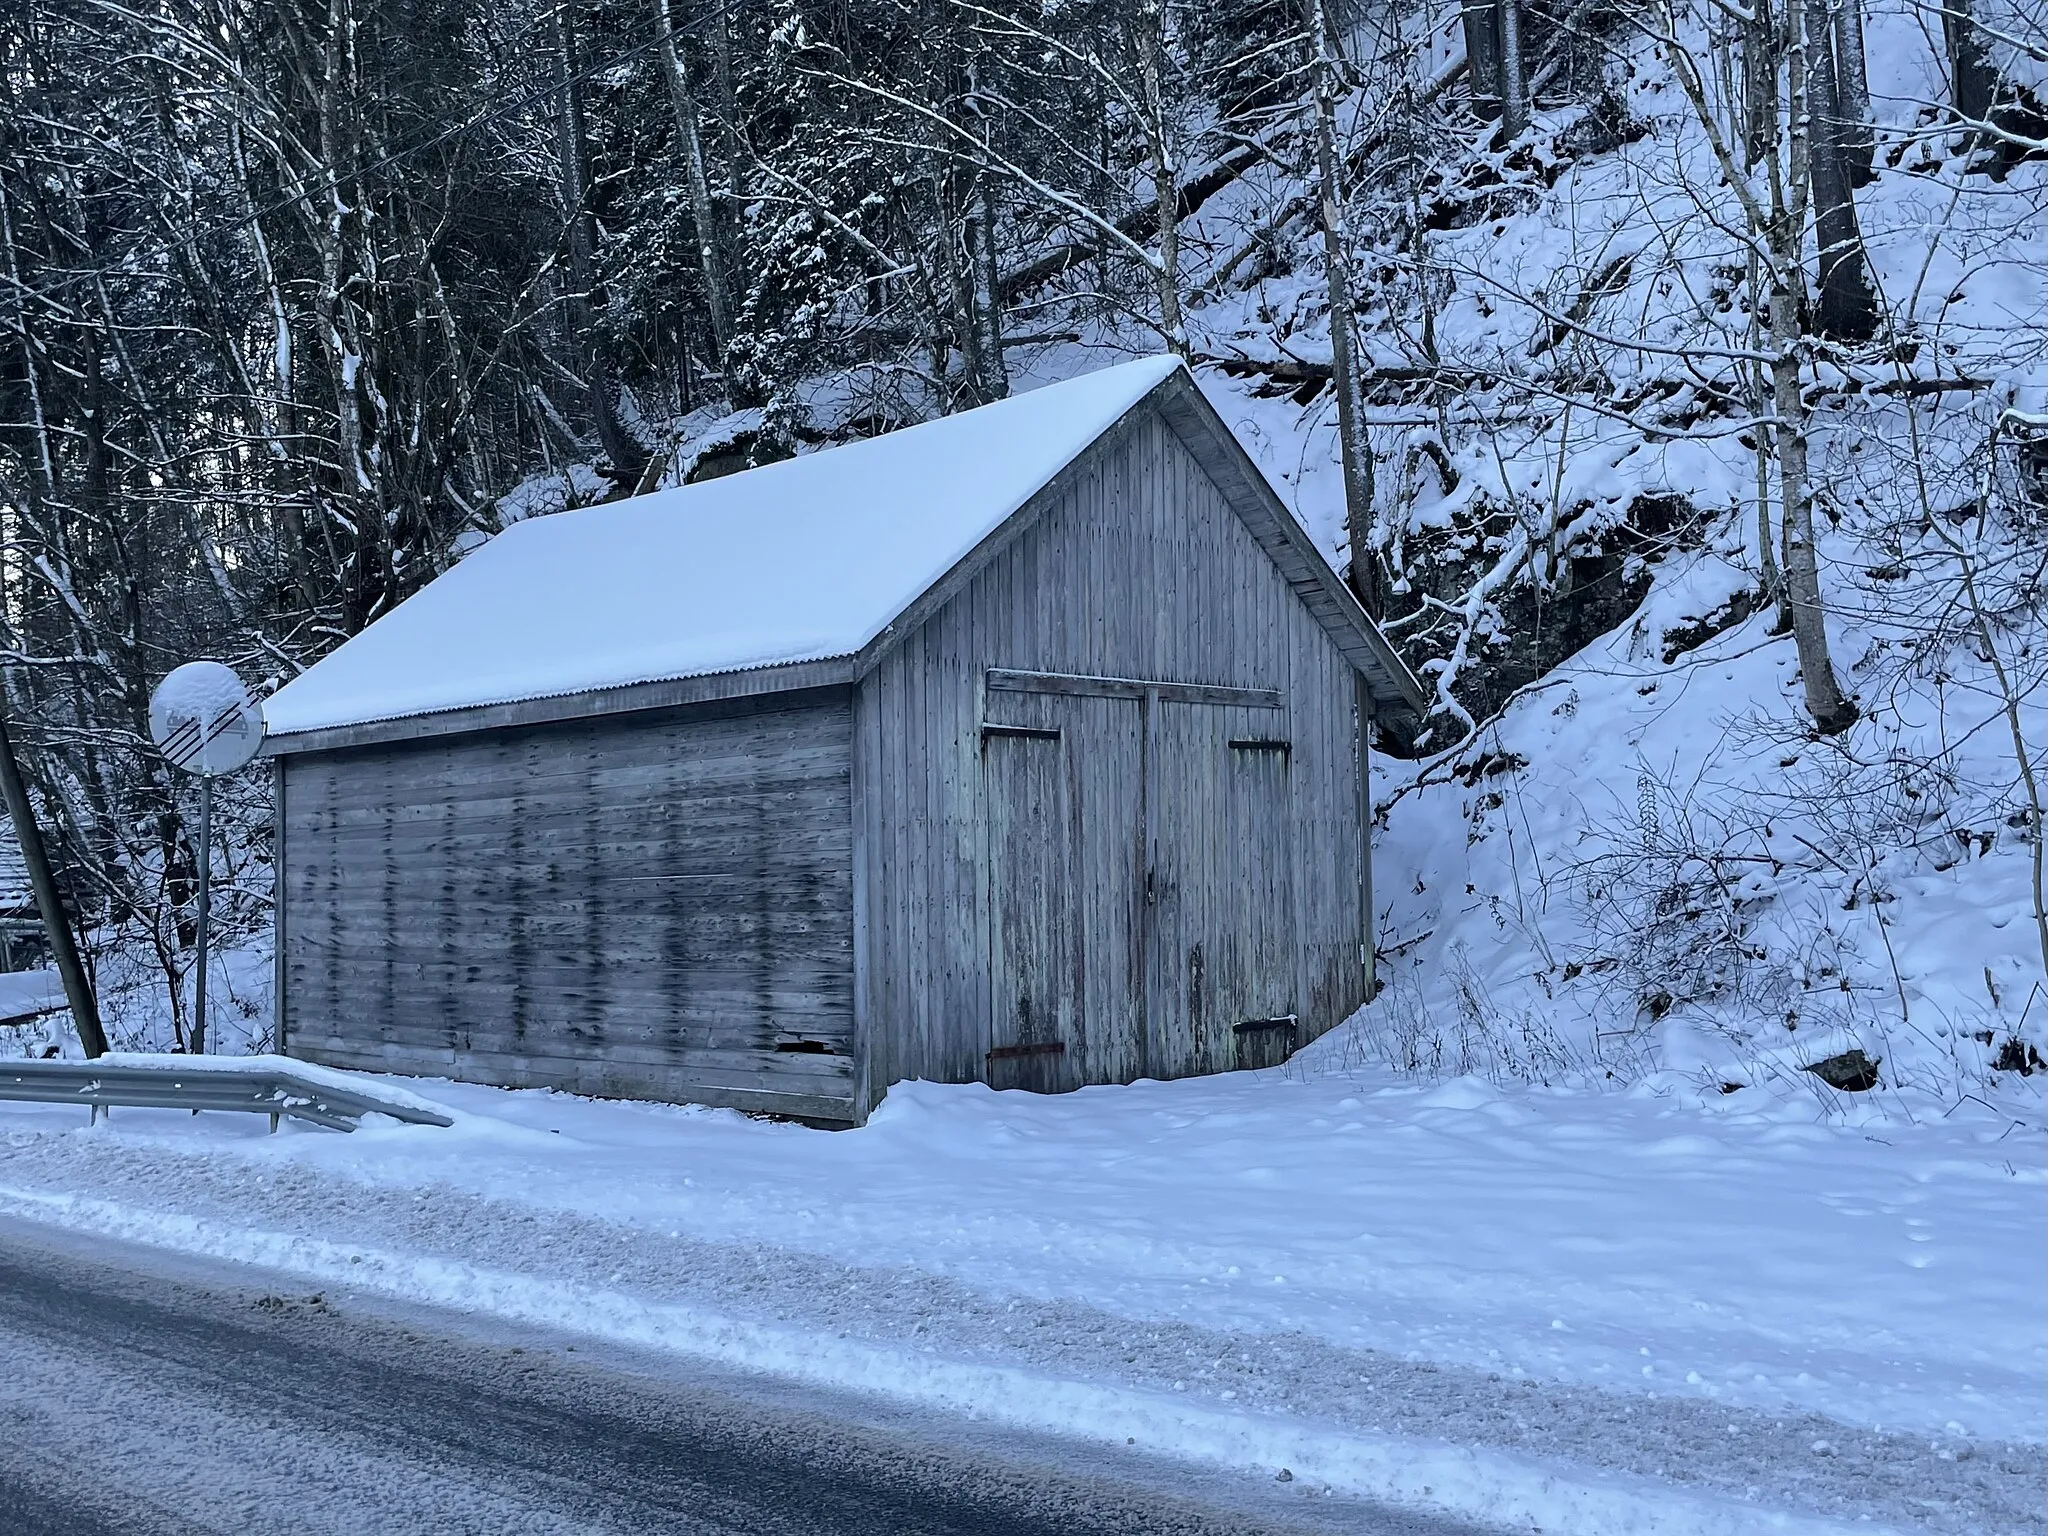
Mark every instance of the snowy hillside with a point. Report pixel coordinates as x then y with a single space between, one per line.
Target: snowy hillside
1646 864
1649 862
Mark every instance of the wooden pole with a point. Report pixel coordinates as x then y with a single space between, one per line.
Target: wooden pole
85 1010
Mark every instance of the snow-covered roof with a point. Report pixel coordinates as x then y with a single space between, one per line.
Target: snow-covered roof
803 560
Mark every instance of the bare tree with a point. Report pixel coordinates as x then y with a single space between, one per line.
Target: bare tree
1355 453
28 836
1514 69
627 460
2013 690
1852 89
712 259
1972 82
1775 234
1495 67
1481 21
1848 307
1149 42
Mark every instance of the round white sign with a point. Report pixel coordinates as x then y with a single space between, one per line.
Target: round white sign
204 720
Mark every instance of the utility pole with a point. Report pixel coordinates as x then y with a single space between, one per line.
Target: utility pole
85 1009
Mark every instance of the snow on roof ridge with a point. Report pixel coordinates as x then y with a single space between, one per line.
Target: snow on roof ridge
561 693
802 560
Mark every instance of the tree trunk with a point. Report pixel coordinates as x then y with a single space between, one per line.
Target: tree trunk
1801 570
1514 76
953 220
85 1011
1165 175
1972 83
1759 83
988 300
333 227
1482 57
284 429
1355 453
1852 86
1848 308
1759 389
711 261
627 458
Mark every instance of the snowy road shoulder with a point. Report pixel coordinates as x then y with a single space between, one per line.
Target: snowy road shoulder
1474 1482
1329 1277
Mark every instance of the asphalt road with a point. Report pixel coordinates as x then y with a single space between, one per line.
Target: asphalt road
147 1395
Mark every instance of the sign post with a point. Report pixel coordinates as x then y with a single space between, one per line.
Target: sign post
205 722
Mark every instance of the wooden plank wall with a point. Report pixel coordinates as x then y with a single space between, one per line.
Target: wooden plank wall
1141 570
653 906
1062 781
1221 856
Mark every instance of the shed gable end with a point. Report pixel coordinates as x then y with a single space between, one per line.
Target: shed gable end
1138 586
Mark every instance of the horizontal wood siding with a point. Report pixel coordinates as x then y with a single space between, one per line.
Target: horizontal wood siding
641 906
1139 571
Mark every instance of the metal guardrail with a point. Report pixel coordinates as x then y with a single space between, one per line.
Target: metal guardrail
264 1091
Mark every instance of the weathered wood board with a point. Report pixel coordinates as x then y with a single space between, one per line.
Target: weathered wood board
654 905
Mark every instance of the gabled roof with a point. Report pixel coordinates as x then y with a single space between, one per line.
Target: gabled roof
802 562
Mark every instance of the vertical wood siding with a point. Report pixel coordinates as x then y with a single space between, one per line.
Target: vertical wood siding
996 881
656 905
1062 782
1220 850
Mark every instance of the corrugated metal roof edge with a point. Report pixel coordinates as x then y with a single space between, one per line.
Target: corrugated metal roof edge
544 708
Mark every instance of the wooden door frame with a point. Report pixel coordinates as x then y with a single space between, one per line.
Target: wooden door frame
1148 694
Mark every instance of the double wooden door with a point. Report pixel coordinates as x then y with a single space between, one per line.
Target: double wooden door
1140 873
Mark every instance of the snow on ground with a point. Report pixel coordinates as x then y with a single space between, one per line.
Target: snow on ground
28 994
1632 1311
1646 864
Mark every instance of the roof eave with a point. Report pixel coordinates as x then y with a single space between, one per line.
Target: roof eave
629 698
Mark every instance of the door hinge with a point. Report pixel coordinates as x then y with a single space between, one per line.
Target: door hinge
1285 1021
1036 1048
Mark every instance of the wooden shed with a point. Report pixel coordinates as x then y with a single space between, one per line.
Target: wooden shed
1024 746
